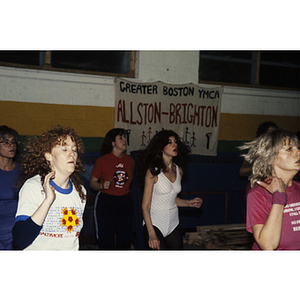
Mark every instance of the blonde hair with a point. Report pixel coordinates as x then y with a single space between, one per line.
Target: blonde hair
263 151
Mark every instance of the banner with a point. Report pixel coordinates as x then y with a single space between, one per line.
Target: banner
192 111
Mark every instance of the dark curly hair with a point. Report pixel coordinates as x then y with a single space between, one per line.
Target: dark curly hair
109 138
34 161
151 157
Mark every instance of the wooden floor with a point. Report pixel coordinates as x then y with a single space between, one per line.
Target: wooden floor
214 237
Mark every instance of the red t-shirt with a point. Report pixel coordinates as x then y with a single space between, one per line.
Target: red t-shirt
259 204
119 170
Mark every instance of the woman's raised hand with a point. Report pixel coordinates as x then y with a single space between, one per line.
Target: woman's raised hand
49 190
273 184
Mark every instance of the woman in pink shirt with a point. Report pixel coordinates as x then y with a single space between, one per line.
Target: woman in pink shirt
273 203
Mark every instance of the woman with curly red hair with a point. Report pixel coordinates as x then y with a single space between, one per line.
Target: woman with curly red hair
52 198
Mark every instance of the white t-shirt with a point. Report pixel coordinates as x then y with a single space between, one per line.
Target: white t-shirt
64 221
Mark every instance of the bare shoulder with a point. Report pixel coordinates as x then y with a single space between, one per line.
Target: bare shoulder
150 177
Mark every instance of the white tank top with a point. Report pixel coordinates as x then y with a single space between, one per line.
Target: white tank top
164 210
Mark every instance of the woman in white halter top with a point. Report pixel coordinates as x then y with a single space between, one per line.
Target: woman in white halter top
162 165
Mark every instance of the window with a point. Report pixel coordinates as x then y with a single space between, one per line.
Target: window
270 69
114 63
280 69
21 57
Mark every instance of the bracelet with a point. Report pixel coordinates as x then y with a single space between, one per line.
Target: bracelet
279 198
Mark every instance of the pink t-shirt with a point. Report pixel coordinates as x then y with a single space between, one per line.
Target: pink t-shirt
259 204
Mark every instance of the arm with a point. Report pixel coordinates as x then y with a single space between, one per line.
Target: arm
97 186
146 205
40 214
268 235
27 228
196 202
25 232
97 175
246 169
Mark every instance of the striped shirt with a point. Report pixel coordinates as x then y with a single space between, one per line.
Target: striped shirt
164 210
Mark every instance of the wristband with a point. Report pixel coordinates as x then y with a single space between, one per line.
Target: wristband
279 198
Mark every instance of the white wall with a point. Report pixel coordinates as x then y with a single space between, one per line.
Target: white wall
260 102
177 67
55 87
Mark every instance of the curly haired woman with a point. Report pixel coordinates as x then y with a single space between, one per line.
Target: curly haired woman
52 198
273 203
163 161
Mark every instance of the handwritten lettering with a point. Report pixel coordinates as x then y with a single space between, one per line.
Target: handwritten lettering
178 91
179 113
147 89
206 94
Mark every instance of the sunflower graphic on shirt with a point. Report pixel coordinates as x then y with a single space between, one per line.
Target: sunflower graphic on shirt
70 219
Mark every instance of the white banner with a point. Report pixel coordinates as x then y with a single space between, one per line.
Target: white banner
192 111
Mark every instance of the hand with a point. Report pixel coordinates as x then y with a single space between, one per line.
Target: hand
49 190
273 184
106 184
154 242
196 202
